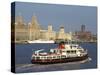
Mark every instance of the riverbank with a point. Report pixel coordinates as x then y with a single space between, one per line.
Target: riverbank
56 42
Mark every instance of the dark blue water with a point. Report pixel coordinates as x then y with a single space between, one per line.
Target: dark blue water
24 52
92 51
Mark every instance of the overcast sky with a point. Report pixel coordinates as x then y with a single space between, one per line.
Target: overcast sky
69 16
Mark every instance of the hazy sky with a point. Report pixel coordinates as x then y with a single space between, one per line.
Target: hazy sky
71 17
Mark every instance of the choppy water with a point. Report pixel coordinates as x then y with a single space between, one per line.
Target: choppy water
24 52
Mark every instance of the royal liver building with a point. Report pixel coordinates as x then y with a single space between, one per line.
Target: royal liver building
33 31
25 32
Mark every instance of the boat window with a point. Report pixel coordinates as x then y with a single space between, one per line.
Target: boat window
80 50
49 57
54 51
54 57
44 57
60 51
33 57
68 51
74 51
41 57
71 47
75 46
63 56
58 56
37 57
63 51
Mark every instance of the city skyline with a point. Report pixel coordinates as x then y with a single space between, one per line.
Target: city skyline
71 17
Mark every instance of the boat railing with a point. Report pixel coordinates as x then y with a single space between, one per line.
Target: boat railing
37 51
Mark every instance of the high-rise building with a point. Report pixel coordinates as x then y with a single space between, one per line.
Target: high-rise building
83 35
83 28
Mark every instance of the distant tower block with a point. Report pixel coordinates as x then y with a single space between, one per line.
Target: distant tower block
50 28
83 28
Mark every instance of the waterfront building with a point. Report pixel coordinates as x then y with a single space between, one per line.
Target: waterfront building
43 34
69 36
33 29
20 29
50 34
24 32
83 35
61 34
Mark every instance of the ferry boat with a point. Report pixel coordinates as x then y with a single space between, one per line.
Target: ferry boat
62 54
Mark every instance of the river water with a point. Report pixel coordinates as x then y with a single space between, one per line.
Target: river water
23 54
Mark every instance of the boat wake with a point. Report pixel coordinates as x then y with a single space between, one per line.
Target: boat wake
50 67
